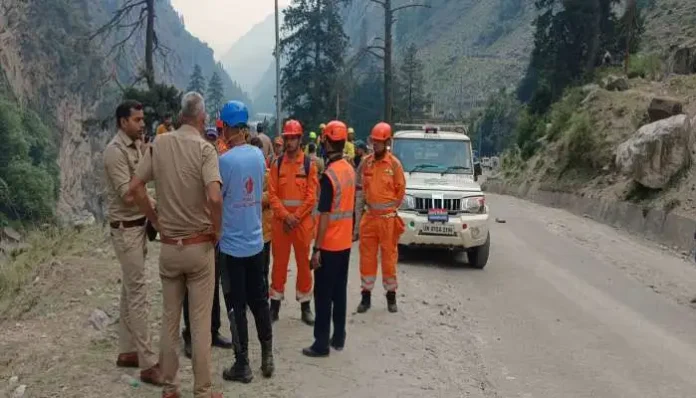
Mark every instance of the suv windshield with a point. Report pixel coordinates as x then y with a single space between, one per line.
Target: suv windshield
434 155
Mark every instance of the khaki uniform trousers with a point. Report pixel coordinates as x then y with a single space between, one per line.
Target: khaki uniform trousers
189 267
130 245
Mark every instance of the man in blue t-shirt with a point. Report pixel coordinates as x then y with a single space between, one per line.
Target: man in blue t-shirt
242 169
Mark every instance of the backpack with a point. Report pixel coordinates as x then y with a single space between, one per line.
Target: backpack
307 164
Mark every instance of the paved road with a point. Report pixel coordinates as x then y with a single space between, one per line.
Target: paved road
566 308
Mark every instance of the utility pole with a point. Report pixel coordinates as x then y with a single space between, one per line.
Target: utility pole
279 127
389 20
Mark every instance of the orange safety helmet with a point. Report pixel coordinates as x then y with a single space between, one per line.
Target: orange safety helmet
381 132
278 141
336 131
292 128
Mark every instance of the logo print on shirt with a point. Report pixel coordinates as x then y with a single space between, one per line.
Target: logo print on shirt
248 190
249 185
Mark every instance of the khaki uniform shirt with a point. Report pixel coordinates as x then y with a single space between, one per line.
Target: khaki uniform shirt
182 164
121 158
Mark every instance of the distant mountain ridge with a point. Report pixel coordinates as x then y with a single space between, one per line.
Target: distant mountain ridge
248 58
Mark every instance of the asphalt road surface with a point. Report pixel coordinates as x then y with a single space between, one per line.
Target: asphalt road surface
565 308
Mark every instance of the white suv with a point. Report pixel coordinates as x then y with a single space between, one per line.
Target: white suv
444 206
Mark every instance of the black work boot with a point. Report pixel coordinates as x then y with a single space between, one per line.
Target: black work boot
391 302
307 316
275 310
240 371
267 366
365 303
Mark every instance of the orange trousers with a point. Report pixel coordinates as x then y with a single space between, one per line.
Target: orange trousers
379 234
299 239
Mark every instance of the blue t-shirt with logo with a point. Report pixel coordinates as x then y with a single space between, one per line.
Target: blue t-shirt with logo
242 169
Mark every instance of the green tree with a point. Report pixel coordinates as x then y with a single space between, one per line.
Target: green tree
157 102
28 169
315 46
494 128
569 37
197 81
216 94
411 85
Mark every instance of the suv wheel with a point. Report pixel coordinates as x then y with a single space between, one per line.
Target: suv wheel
478 256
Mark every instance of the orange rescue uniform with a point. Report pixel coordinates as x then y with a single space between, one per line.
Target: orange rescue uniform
384 187
291 191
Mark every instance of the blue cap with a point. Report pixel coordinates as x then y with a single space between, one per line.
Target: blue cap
234 114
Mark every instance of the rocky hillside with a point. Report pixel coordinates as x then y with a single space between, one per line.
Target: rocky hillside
470 48
48 65
625 139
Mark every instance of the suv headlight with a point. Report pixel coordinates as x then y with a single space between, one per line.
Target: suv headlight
474 204
409 203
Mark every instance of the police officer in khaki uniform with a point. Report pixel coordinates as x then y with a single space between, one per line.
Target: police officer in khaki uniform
127 223
187 180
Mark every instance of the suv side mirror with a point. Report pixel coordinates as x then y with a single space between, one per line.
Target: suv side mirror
477 171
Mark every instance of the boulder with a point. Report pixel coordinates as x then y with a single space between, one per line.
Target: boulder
615 83
684 61
663 108
657 152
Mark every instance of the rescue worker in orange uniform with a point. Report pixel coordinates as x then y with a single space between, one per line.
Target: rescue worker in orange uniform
331 253
292 193
384 188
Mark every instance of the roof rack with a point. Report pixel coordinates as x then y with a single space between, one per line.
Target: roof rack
459 128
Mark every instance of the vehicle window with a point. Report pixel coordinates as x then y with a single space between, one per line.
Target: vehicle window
434 156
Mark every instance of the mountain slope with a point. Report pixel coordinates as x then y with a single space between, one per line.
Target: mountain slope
248 57
47 64
470 48
184 49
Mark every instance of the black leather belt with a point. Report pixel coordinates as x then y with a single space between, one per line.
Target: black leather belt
128 224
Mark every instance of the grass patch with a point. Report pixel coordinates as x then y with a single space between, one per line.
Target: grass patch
647 66
44 246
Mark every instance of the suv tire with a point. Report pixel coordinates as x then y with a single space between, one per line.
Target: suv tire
478 256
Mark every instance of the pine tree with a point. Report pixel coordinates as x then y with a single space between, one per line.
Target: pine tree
315 47
411 92
197 81
216 94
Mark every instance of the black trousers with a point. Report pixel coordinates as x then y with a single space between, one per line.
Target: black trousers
215 318
330 284
266 264
244 284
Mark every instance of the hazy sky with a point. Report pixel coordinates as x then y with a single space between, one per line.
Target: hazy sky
221 22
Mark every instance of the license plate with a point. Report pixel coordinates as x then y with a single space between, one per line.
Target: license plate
438 215
438 229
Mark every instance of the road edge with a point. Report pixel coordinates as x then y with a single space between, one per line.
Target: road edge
675 231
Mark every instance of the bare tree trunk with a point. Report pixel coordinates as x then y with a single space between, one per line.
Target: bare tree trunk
150 44
596 31
630 18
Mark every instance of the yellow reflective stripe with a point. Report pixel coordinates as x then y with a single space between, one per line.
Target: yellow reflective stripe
341 215
382 206
292 202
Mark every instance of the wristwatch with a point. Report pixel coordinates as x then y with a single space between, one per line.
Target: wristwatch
314 250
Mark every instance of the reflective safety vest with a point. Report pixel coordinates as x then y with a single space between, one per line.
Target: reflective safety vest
339 234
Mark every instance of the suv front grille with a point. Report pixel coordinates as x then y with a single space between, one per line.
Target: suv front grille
451 205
